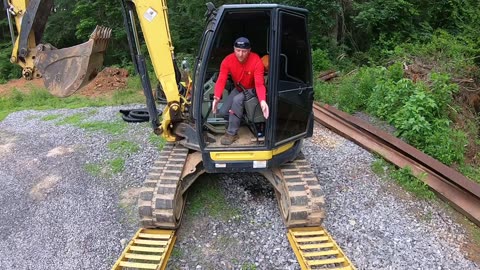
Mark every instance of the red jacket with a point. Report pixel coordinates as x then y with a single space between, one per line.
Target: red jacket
249 74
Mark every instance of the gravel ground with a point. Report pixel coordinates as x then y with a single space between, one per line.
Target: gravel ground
57 214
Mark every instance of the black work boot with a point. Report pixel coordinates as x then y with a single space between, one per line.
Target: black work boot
228 139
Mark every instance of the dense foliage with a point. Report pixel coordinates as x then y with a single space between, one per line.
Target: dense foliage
351 27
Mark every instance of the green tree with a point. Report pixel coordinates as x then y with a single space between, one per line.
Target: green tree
107 13
60 28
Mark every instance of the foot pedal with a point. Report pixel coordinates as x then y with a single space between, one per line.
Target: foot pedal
316 249
219 129
149 249
217 121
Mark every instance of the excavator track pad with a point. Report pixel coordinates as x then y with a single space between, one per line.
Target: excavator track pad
66 70
161 201
316 249
149 249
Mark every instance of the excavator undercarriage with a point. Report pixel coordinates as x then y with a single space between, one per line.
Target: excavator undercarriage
162 198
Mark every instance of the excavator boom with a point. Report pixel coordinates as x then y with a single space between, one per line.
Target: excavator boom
82 62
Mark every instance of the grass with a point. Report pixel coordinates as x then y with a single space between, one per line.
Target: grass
476 234
207 197
123 147
176 253
249 266
117 165
39 98
130 213
73 120
471 172
403 177
379 166
93 169
157 141
117 127
51 117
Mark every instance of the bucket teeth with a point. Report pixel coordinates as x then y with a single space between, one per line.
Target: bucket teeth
101 35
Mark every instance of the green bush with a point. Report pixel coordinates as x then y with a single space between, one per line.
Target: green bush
8 70
352 91
446 145
419 113
320 60
447 53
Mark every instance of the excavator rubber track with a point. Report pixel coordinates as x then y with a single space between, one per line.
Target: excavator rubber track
299 194
148 249
316 249
161 201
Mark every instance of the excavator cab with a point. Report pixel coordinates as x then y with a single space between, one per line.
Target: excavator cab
276 31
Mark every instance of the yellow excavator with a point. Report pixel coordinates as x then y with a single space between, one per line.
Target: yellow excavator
271 147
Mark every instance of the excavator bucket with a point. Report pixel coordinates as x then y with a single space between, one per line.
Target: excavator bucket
66 70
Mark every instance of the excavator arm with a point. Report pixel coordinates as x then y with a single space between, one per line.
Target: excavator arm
153 19
64 70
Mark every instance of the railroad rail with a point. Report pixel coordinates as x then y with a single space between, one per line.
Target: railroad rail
454 188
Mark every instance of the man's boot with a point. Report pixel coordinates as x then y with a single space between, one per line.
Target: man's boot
228 139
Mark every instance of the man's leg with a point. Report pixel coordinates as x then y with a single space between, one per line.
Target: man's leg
234 119
224 110
236 113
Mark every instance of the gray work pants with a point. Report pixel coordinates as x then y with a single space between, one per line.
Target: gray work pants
233 107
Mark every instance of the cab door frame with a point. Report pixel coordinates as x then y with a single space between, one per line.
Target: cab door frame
292 102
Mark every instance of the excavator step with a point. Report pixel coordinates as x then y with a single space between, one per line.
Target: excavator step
316 249
148 249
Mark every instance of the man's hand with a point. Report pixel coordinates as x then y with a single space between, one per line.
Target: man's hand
265 110
215 105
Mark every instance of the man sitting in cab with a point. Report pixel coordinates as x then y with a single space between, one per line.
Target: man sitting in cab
247 72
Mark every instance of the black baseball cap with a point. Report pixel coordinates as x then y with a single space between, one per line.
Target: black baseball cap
242 43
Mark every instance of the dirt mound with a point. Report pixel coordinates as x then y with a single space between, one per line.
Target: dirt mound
21 85
105 83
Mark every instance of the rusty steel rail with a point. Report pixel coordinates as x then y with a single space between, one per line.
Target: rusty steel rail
457 190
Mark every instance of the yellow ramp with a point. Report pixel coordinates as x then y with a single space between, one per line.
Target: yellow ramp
149 249
316 249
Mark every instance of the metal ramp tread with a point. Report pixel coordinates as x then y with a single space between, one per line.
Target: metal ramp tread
316 249
148 249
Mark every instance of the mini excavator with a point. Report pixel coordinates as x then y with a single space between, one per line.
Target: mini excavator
271 147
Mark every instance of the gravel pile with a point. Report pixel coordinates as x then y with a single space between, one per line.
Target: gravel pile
57 214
